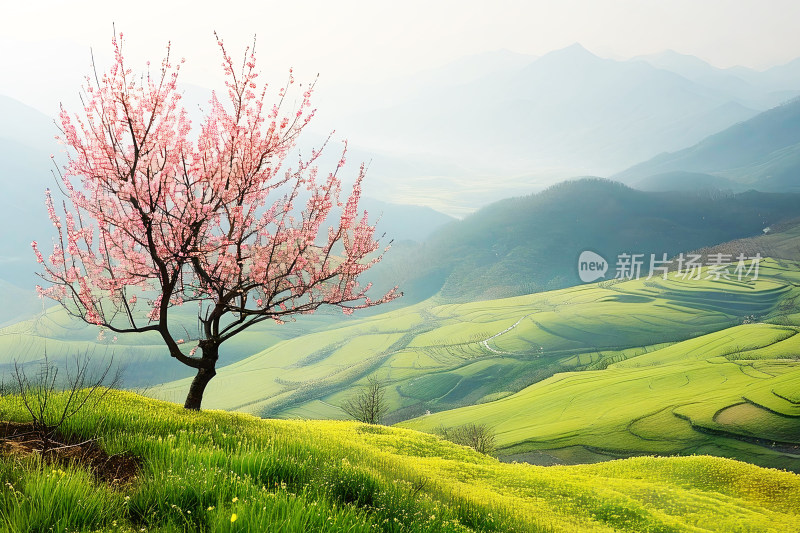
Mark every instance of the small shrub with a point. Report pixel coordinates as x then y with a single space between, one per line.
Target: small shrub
51 401
369 405
479 437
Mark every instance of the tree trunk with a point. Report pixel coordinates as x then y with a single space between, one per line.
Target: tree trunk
204 375
198 386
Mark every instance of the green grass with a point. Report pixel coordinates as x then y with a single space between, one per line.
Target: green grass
433 356
613 368
200 469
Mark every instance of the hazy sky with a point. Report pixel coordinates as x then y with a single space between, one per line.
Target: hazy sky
44 45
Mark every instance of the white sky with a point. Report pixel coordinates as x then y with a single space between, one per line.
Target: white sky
44 45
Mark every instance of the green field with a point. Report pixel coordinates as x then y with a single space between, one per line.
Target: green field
216 471
591 372
611 369
730 393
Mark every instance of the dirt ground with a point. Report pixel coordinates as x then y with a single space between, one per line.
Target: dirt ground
21 440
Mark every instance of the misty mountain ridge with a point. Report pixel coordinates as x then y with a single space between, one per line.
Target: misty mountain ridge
749 87
762 153
522 123
686 181
568 108
566 113
629 104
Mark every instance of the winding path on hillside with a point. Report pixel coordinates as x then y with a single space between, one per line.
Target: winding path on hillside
509 328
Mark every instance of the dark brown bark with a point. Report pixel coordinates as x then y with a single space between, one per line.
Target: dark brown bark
204 374
198 387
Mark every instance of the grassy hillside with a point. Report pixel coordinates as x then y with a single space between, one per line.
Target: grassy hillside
731 393
437 357
214 471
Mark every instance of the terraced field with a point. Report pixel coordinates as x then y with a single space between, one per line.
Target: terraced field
591 372
731 393
679 347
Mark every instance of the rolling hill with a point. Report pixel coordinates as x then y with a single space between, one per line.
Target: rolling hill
731 393
436 357
142 358
214 471
532 243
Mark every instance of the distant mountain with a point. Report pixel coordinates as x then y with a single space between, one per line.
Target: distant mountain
532 243
338 102
760 90
499 123
404 222
25 125
26 144
521 123
782 78
567 109
762 153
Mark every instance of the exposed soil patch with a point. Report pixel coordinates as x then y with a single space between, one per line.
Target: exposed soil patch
21 439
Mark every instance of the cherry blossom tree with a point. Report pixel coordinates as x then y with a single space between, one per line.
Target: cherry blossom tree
164 217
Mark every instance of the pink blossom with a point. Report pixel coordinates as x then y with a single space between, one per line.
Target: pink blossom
212 213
